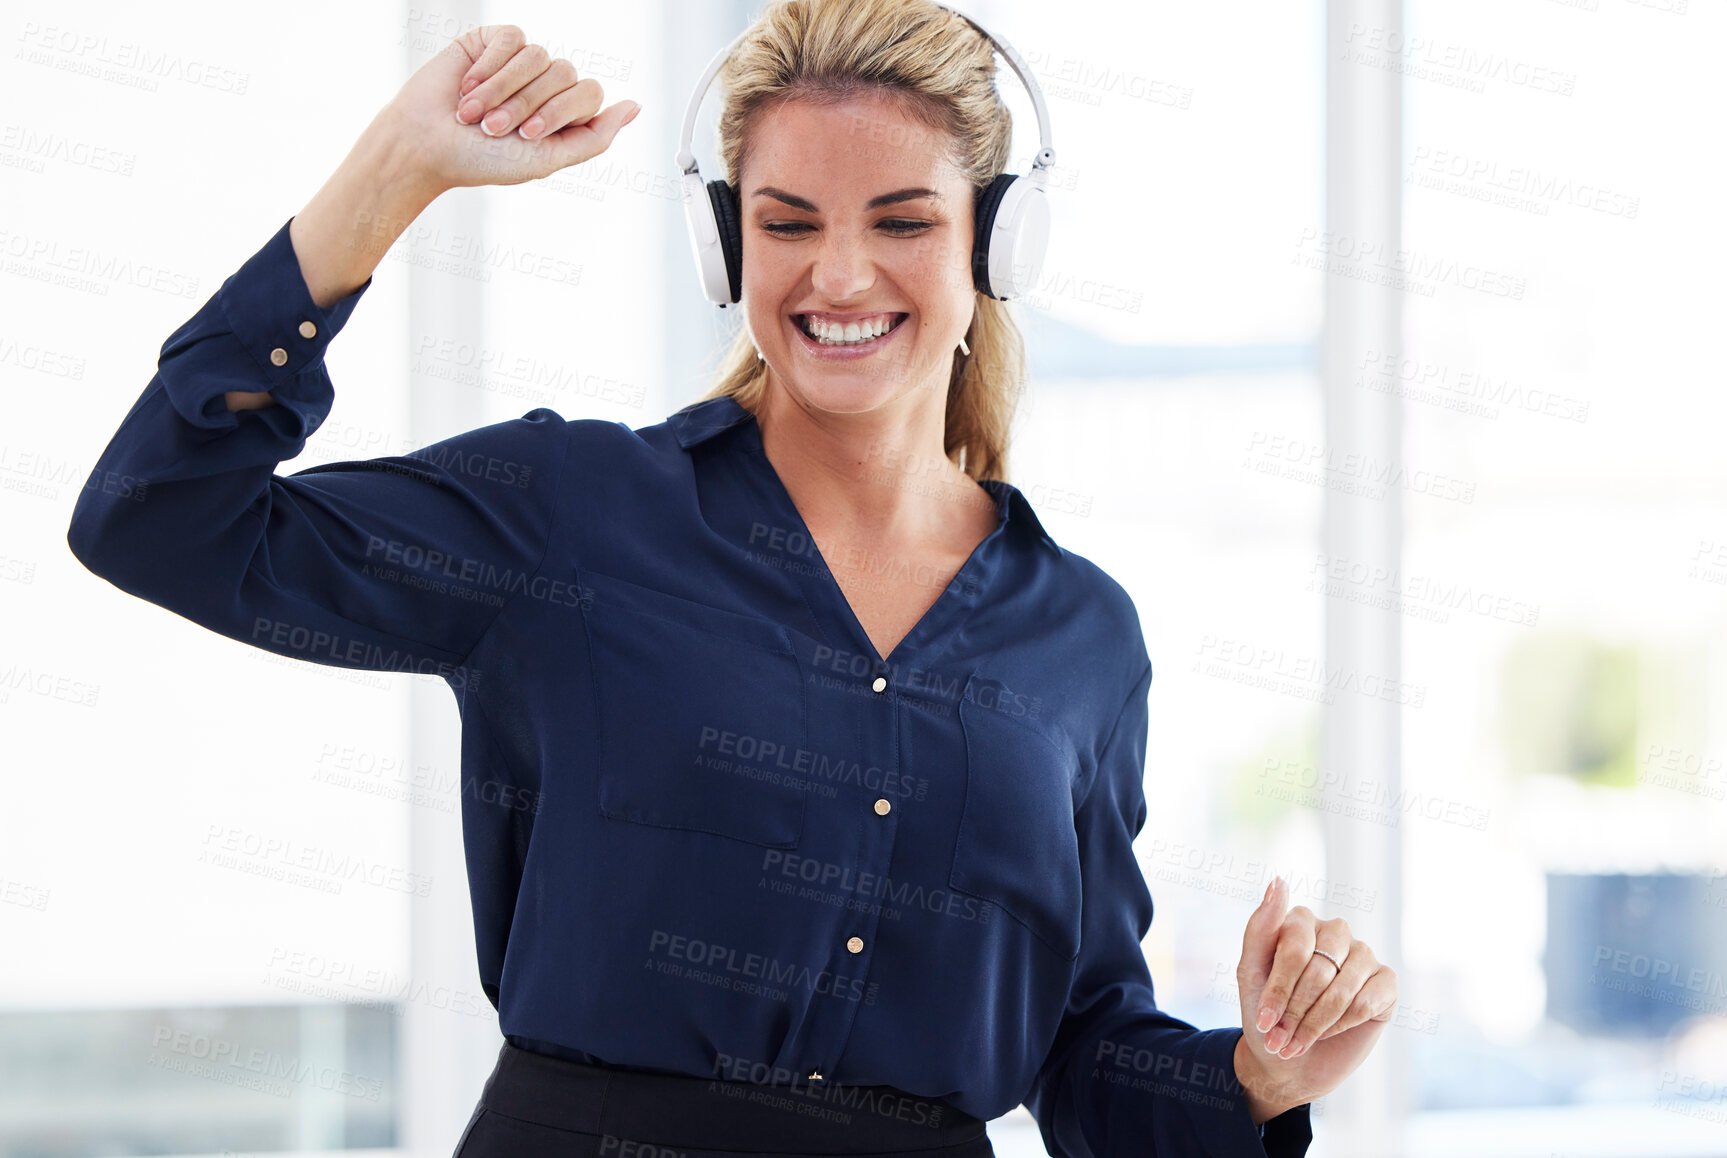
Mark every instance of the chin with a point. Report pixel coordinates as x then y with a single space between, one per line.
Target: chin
842 392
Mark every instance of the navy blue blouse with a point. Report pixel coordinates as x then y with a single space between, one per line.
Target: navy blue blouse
708 830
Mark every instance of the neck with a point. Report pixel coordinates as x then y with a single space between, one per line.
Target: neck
880 474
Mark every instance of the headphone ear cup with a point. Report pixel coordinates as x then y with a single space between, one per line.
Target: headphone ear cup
988 201
726 217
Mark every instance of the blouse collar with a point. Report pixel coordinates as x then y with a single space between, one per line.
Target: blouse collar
707 417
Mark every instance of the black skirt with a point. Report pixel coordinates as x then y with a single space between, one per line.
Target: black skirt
536 1105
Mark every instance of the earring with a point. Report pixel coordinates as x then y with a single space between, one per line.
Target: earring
759 357
963 348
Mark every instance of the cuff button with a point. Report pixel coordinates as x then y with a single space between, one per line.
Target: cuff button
308 330
278 356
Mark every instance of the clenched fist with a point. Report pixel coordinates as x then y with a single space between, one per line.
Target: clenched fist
493 109
1314 1000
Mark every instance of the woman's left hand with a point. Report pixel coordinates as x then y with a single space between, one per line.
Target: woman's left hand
1321 1020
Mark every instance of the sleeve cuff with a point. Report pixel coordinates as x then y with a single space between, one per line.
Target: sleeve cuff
1222 1117
259 331
1289 1134
270 309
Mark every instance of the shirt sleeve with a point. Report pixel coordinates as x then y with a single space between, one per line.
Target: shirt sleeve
1122 1077
394 563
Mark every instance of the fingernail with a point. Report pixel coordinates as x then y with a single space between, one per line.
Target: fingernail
494 123
1267 1018
469 85
531 128
633 113
469 111
1268 887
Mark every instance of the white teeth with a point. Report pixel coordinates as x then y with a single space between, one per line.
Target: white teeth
850 334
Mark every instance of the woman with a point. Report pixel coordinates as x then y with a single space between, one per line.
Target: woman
801 768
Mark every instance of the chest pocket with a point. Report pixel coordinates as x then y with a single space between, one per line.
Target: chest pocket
701 712
1017 847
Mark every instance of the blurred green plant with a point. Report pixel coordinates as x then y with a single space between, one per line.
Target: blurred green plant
1569 707
1253 784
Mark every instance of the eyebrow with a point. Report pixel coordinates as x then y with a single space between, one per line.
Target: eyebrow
808 206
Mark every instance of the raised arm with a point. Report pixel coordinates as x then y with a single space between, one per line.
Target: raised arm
437 134
396 563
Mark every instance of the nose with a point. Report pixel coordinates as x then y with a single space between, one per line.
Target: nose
843 266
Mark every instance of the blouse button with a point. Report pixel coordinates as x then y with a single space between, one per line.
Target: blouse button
278 356
881 807
308 330
880 683
855 944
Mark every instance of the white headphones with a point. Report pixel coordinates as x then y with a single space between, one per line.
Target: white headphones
1011 211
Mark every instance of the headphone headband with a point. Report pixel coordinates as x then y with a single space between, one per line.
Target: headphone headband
1044 158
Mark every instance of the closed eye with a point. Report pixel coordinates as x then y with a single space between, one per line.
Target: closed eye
896 226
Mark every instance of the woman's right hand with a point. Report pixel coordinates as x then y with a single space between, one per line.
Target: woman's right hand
491 78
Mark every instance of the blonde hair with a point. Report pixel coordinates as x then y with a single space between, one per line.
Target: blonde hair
941 71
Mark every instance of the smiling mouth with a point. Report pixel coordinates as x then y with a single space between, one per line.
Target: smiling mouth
850 334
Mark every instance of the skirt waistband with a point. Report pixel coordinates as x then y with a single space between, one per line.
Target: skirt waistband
711 1113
